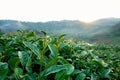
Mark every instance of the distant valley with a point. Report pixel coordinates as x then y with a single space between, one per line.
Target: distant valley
103 30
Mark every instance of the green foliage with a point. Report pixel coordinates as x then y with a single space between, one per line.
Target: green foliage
31 56
3 70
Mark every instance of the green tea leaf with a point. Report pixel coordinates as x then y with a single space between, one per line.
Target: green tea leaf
29 77
93 77
44 33
53 50
23 56
84 53
76 71
56 68
13 62
80 76
53 69
100 63
18 71
60 75
33 48
105 73
51 62
69 68
62 45
3 70
28 65
61 36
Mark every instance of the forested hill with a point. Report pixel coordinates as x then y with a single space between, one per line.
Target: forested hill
100 29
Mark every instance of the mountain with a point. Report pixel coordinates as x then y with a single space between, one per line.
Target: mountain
115 30
99 30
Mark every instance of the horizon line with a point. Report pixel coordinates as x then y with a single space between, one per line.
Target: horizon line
62 20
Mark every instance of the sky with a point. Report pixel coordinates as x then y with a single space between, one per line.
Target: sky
48 10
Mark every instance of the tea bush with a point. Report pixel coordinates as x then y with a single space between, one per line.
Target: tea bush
31 56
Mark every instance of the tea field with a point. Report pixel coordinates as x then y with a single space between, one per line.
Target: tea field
30 56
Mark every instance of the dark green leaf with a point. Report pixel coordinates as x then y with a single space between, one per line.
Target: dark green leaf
93 77
60 75
105 73
80 76
13 62
28 65
3 70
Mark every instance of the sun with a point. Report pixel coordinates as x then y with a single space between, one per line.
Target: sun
88 21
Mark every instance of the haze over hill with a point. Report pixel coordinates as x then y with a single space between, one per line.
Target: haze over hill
103 29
